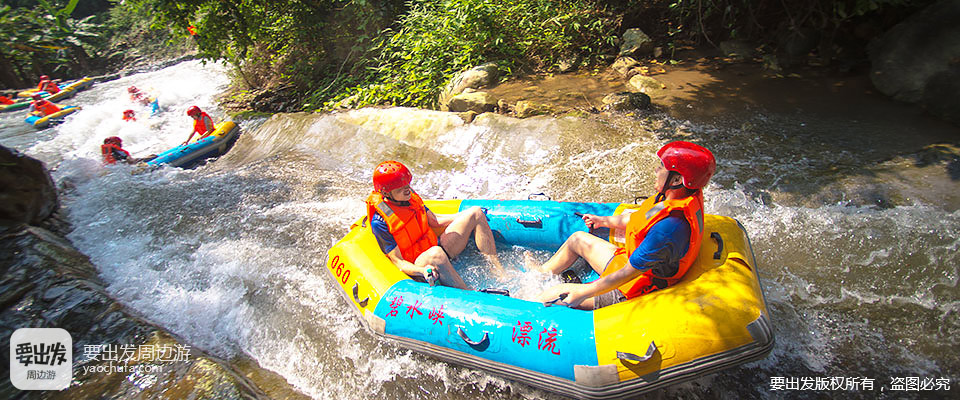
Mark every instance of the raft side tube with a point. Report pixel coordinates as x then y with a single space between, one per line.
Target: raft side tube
189 154
542 225
548 340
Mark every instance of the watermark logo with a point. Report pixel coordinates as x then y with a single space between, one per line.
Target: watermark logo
41 359
128 358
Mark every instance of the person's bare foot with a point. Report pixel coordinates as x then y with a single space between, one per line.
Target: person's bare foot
530 263
498 270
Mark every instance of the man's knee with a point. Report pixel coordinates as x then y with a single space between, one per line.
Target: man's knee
476 213
434 256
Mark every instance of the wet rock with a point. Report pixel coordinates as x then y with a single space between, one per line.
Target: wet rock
468 116
625 101
737 49
276 100
526 109
475 78
478 102
624 64
646 84
55 286
918 60
27 194
636 43
567 64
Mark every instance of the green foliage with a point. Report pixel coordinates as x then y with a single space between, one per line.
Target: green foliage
436 39
44 40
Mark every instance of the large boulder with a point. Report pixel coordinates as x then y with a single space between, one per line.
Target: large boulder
526 109
27 194
484 75
636 43
623 65
625 101
478 102
646 84
918 60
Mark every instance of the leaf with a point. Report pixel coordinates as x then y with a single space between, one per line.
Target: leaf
66 11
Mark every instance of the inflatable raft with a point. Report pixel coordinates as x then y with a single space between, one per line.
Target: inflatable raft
20 103
67 90
190 155
715 318
42 122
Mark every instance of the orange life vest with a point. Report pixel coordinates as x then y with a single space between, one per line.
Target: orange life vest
107 150
45 107
640 223
200 126
407 224
50 87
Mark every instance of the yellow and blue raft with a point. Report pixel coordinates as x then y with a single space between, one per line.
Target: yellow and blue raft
715 318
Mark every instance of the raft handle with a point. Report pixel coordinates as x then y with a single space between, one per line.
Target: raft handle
535 223
636 200
635 358
716 236
541 194
479 346
356 296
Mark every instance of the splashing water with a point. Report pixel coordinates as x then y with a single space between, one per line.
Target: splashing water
230 256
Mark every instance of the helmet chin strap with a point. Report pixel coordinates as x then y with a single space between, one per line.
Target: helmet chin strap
395 201
662 193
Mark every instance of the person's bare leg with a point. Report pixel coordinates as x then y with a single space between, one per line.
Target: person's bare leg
596 251
448 275
456 236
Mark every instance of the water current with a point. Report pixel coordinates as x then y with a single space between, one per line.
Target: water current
858 252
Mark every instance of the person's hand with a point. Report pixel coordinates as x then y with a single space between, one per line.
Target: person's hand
591 220
185 143
569 294
431 274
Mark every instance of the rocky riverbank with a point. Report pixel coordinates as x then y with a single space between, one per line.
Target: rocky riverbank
904 63
47 283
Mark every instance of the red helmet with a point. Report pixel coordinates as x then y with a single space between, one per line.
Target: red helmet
128 113
193 111
44 77
391 175
693 162
113 139
133 89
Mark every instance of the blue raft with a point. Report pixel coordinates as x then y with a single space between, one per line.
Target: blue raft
192 154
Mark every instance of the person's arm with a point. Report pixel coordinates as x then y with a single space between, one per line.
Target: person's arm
407 267
612 221
208 125
576 293
439 221
190 137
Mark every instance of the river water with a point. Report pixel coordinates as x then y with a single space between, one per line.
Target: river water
856 238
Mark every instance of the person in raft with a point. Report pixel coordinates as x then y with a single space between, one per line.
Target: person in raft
662 236
41 107
403 226
139 97
47 85
112 151
202 123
